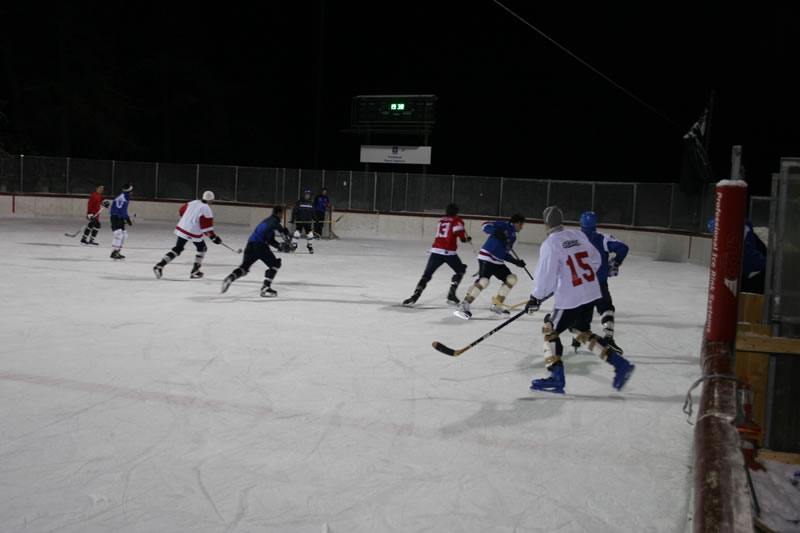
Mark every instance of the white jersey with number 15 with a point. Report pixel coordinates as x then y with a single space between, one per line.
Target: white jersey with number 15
567 268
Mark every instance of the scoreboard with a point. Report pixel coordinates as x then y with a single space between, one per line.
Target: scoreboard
400 111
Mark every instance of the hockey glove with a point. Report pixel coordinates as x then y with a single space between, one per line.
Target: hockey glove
519 262
129 221
215 239
291 221
106 204
613 268
469 238
90 216
533 305
500 235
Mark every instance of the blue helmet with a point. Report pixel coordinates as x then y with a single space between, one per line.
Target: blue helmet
711 225
589 219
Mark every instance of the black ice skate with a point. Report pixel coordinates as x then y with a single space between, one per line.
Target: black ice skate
613 345
412 300
158 270
310 249
116 256
226 283
452 299
93 242
268 292
196 274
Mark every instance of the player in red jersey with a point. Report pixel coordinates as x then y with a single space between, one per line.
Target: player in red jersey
443 250
93 209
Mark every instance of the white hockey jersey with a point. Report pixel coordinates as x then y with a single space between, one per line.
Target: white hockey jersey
567 267
196 220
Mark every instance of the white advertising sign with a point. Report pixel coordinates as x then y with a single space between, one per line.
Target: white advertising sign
414 155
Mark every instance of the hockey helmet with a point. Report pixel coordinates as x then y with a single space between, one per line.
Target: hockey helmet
208 196
589 219
307 192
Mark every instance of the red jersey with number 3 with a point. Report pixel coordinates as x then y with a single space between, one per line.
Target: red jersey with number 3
448 230
567 267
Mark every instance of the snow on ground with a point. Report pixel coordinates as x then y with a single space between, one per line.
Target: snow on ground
132 404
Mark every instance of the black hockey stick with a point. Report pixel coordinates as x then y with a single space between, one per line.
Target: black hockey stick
237 251
517 258
85 225
455 353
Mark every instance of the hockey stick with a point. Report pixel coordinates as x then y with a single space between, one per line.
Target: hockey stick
238 251
85 225
497 302
455 353
517 258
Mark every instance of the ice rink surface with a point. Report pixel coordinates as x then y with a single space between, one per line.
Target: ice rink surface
131 404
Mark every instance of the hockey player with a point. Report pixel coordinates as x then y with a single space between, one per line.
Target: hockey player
444 251
321 203
93 208
258 249
303 217
609 267
196 221
119 218
567 268
491 262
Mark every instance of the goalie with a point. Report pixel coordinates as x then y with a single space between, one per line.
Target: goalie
302 218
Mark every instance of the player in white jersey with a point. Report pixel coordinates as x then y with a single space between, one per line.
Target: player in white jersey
567 269
196 221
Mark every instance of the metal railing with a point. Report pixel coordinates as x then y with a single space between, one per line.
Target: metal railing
657 205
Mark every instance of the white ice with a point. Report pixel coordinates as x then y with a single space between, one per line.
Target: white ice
131 404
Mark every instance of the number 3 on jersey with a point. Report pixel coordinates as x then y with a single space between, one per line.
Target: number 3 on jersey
444 229
588 275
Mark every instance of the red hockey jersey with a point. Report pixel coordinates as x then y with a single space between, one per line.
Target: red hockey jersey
447 230
94 205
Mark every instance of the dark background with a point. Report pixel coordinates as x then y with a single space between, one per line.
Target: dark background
271 85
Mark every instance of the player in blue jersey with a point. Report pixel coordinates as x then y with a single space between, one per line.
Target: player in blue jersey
321 203
754 259
258 249
609 267
119 218
302 217
491 262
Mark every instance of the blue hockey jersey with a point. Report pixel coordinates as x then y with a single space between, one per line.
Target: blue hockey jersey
120 206
265 231
494 250
606 243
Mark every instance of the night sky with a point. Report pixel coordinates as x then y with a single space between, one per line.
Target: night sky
271 85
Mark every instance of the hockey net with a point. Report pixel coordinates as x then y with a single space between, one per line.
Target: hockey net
323 229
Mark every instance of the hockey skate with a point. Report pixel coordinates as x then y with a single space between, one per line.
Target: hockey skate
310 249
226 283
613 345
575 344
268 292
452 299
411 301
463 310
158 270
500 311
622 370
116 256
196 274
84 241
555 383
93 242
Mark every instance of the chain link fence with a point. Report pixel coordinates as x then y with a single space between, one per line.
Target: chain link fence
657 205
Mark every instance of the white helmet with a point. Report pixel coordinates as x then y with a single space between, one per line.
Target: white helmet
208 196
